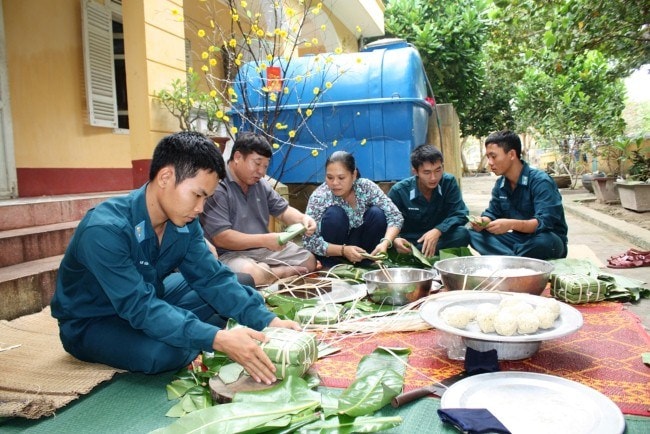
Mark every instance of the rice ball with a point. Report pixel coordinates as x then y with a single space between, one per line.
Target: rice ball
552 304
546 317
527 323
485 308
457 316
505 323
485 320
512 300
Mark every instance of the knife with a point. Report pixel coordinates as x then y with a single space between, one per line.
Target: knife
434 389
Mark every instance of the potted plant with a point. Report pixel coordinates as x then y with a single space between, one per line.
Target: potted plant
634 191
195 109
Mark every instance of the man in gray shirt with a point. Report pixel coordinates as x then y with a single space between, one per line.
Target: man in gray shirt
236 218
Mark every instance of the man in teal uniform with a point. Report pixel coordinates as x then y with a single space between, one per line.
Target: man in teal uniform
431 203
138 288
525 216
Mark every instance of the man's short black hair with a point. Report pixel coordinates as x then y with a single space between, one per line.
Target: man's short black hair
247 143
506 140
425 154
188 152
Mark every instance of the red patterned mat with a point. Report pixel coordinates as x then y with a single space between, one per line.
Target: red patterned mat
604 354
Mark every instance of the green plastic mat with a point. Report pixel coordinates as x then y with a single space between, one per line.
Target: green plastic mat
137 403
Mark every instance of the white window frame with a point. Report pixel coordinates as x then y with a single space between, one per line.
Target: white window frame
99 64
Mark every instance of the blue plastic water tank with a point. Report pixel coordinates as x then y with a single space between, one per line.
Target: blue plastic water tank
375 109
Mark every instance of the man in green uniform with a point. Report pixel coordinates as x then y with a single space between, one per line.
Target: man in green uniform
434 212
525 216
138 288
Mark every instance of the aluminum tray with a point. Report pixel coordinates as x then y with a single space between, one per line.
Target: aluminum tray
533 403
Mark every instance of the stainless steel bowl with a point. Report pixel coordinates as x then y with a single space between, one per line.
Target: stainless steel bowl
491 273
398 286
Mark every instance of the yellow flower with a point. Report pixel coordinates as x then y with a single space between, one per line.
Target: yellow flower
307 44
283 33
292 134
212 23
213 93
226 118
276 31
213 62
273 97
308 112
286 90
269 57
260 32
244 4
328 85
314 152
235 17
298 78
205 68
201 33
314 41
238 62
338 50
358 29
175 12
212 48
233 130
219 114
265 89
316 90
290 12
231 91
363 142
232 43
335 142
190 70
281 126
276 146
323 27
359 60
249 41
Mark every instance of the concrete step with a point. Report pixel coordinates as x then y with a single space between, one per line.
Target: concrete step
37 242
25 213
27 287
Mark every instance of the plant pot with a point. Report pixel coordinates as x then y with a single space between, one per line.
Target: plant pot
562 181
605 189
634 196
587 180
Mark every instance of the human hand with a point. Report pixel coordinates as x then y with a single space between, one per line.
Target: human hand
499 226
402 245
241 344
353 254
272 241
429 242
310 224
212 248
285 323
479 223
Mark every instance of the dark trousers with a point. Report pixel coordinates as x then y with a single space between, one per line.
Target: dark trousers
335 229
113 341
544 245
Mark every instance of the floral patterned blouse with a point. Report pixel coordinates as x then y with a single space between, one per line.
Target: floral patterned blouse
367 193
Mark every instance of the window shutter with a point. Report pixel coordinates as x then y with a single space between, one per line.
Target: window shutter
98 62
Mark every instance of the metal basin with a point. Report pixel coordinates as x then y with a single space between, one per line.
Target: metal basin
398 286
495 273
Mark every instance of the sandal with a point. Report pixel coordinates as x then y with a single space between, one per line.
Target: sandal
630 259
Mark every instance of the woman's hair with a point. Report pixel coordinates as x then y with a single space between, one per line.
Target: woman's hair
344 158
247 143
506 140
188 152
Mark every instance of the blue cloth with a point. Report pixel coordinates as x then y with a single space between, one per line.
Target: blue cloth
445 211
472 420
535 196
335 228
124 300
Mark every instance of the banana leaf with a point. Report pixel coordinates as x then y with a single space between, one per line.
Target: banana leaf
348 272
380 377
238 417
290 233
346 425
292 388
196 398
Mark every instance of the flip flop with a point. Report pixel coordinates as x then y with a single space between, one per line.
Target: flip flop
631 259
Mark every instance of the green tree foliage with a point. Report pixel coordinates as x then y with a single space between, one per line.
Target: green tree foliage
449 36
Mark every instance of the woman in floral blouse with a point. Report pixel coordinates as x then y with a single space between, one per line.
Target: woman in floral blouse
353 215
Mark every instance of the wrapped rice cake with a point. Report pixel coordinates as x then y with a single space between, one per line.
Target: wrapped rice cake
292 352
578 288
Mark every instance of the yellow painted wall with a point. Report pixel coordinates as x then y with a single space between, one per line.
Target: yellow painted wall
46 83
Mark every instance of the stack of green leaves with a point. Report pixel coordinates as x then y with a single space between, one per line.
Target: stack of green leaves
578 288
291 351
